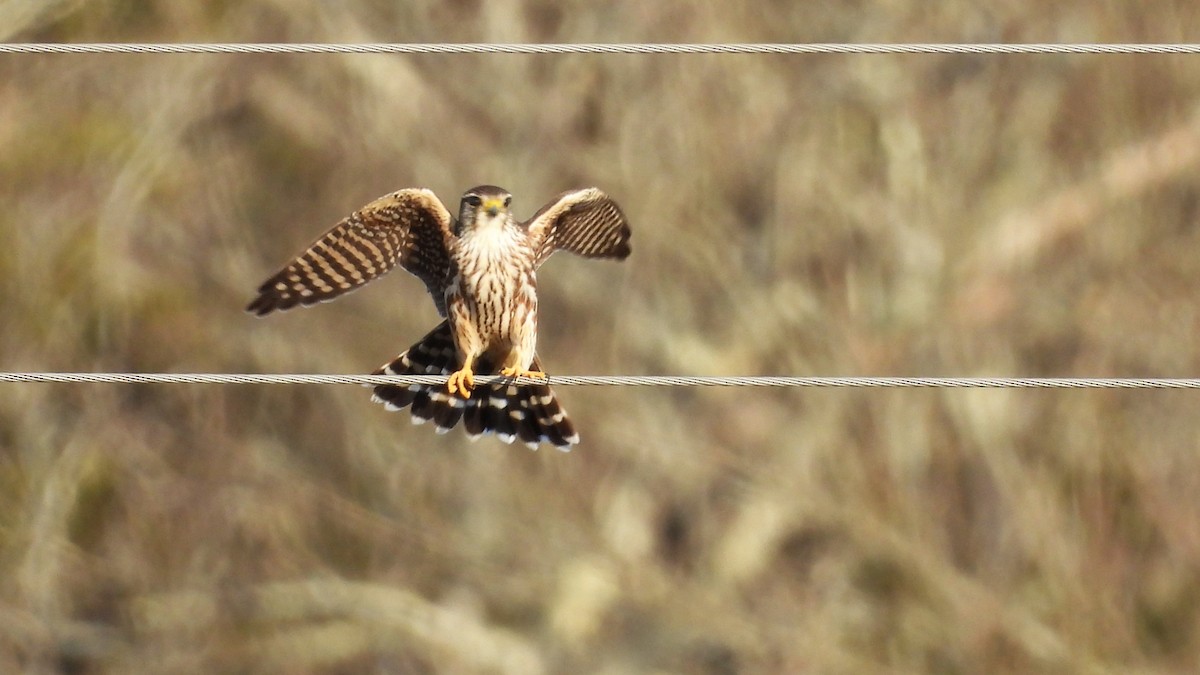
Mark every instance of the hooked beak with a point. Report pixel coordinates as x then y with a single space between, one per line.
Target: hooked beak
493 206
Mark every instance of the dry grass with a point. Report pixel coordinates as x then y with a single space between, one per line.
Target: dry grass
870 215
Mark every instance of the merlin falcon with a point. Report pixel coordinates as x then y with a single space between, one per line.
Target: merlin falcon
481 270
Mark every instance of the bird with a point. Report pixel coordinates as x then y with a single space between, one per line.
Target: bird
481 271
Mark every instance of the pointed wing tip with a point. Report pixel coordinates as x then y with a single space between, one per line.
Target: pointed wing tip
260 306
269 301
622 250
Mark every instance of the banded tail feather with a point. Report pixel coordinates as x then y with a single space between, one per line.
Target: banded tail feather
529 413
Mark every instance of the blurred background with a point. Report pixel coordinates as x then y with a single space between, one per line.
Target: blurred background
923 215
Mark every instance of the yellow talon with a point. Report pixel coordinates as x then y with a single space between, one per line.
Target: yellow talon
515 372
462 382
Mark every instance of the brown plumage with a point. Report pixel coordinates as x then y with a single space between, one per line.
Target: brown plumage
481 271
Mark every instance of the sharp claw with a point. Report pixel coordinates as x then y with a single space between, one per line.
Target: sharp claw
461 382
514 372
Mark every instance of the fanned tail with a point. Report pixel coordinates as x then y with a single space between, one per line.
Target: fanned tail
528 412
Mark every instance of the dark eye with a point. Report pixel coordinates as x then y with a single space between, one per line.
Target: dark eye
508 201
473 200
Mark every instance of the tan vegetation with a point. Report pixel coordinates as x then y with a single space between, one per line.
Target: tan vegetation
798 215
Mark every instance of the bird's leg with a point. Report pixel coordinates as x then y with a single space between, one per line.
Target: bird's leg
521 357
513 371
462 380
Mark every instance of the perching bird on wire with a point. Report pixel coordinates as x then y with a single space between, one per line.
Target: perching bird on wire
481 270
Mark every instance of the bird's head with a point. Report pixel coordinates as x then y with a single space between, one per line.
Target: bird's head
483 206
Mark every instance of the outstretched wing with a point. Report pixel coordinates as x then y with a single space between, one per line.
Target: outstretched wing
585 222
410 228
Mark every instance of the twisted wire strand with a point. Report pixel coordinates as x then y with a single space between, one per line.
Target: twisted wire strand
593 48
626 380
